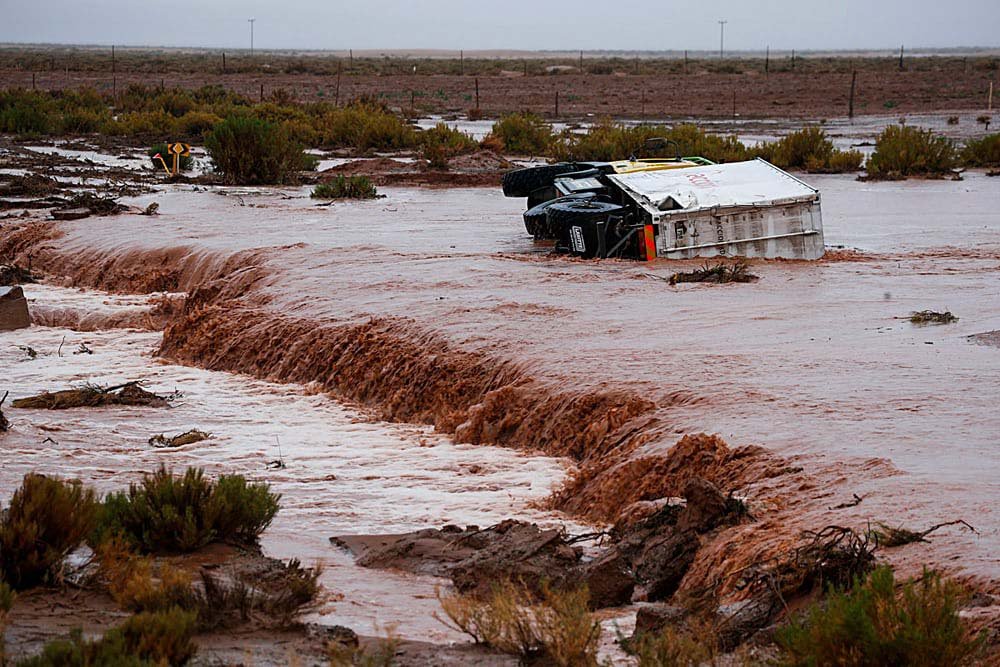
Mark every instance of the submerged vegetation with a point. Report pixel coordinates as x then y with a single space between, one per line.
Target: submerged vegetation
932 317
251 151
346 187
720 272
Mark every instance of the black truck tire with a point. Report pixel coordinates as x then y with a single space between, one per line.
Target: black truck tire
536 221
589 218
522 182
561 213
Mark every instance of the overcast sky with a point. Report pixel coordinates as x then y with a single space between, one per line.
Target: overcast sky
506 24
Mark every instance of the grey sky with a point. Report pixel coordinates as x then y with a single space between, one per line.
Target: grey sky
507 24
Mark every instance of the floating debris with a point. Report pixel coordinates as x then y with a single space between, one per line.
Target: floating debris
92 396
932 317
721 272
187 438
13 274
889 537
4 424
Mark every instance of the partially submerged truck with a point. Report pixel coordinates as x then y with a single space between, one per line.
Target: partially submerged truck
677 208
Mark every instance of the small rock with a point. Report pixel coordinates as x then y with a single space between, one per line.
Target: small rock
654 616
706 506
609 579
13 309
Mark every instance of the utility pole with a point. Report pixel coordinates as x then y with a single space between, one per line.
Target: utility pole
250 21
722 38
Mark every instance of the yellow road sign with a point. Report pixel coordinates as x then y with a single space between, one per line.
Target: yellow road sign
179 149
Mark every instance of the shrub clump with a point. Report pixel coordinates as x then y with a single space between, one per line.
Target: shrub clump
932 317
560 628
608 140
983 152
809 149
523 134
441 143
902 151
250 151
46 520
144 640
168 514
346 187
364 125
873 625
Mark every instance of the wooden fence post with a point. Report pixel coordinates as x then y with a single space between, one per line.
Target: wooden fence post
850 106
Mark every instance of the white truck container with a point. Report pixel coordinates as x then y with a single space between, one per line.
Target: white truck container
740 209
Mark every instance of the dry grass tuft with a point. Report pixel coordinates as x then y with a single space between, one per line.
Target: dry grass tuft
720 272
560 628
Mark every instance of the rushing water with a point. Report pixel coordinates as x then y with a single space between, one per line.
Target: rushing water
342 472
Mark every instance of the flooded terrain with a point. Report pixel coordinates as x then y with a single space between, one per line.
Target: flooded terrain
418 360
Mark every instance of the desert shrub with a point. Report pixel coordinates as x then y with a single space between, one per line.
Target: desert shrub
159 124
144 640
983 152
7 597
46 520
186 161
244 510
131 581
671 648
164 513
346 187
84 121
197 123
569 632
25 113
902 151
249 151
364 126
523 133
560 627
608 140
455 142
811 150
872 624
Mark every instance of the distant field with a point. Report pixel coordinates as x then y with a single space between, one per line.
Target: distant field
663 85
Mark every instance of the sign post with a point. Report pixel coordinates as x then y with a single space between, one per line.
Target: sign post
177 150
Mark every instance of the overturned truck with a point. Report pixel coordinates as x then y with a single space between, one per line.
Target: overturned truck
676 208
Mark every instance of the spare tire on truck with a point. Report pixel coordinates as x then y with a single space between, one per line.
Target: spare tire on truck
522 182
582 226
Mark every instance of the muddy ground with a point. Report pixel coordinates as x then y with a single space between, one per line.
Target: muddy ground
433 307
699 93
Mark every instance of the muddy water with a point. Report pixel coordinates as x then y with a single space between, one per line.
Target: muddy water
814 360
343 473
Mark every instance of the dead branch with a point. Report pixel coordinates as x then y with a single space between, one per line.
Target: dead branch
854 503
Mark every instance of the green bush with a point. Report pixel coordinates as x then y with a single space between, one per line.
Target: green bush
346 187
197 123
168 514
872 624
145 640
363 126
46 520
250 151
809 149
523 134
902 151
983 152
608 140
24 113
186 161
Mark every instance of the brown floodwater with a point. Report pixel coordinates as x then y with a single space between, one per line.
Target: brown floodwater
816 361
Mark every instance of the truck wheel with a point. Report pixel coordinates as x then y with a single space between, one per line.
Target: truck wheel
561 213
522 182
535 220
581 226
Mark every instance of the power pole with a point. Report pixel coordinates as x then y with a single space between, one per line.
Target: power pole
722 38
250 21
